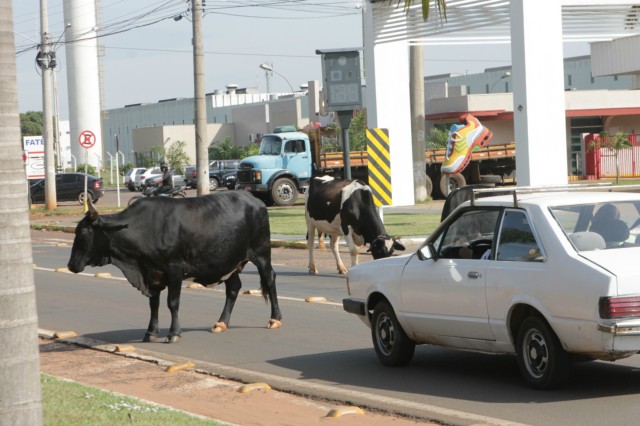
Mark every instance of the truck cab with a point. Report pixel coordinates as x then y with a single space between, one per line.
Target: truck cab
281 170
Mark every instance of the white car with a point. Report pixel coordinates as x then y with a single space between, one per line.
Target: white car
130 177
549 277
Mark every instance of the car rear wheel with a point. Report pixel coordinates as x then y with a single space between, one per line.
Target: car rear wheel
542 361
91 198
392 345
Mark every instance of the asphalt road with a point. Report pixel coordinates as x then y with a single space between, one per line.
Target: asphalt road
324 351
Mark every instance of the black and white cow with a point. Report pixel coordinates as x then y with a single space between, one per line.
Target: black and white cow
158 242
339 207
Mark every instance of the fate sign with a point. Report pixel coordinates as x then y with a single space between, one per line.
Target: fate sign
87 139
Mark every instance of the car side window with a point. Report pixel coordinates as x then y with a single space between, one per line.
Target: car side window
469 236
517 241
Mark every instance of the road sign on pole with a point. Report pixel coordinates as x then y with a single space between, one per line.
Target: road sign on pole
87 139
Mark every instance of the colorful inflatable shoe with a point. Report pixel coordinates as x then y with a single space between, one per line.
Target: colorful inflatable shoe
463 139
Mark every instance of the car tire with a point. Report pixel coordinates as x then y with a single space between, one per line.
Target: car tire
392 345
213 184
81 197
284 192
456 181
541 359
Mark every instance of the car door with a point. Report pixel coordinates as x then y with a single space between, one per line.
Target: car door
66 187
445 296
296 158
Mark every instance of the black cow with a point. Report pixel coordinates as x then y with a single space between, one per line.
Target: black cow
158 242
460 195
345 207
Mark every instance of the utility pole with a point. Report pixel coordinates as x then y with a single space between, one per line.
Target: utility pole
202 146
46 61
416 96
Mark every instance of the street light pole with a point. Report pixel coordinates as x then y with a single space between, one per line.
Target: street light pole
202 154
44 62
269 68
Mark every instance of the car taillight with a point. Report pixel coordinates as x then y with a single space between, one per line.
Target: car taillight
619 307
96 184
195 173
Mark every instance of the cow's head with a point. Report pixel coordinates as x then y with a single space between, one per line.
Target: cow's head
383 246
91 244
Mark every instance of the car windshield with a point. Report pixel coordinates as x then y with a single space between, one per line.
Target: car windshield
270 145
598 226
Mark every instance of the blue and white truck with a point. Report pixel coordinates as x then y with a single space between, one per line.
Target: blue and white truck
280 171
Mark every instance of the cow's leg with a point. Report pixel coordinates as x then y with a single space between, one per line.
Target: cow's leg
311 234
232 288
321 245
152 331
268 287
335 240
353 248
173 303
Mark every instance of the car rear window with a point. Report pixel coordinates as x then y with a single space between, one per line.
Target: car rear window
597 226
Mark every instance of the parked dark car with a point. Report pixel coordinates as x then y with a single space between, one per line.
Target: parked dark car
221 173
69 187
190 177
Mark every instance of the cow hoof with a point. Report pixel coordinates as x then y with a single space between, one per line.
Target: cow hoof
274 323
173 339
150 338
342 271
313 271
219 327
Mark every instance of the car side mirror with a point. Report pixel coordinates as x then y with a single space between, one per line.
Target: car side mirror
427 252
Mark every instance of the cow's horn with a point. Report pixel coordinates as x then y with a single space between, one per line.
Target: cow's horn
93 213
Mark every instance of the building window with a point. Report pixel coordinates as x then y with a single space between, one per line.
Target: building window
468 90
593 80
506 87
486 88
615 78
569 80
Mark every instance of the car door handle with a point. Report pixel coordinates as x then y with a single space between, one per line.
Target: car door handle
473 275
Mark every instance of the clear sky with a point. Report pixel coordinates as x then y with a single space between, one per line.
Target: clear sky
149 56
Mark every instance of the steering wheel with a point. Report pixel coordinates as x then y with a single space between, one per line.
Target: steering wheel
476 243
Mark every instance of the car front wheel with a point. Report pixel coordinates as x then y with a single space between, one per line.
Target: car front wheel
284 192
542 361
392 345
213 184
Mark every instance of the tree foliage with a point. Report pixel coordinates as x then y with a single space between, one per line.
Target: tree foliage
226 150
437 138
31 123
358 131
176 157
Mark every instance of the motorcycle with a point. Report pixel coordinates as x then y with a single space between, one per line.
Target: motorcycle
149 187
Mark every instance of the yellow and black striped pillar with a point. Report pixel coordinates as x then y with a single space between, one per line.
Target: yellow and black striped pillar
379 166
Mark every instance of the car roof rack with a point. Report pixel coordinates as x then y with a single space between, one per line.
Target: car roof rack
602 186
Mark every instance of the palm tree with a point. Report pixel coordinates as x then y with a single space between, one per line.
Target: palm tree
441 6
615 143
20 400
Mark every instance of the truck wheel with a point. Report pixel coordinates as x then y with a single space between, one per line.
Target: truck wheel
429 186
284 192
213 184
456 181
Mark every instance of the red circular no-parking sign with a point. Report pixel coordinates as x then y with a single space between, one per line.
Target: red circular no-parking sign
87 139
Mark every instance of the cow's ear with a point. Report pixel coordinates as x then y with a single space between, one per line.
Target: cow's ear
110 225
